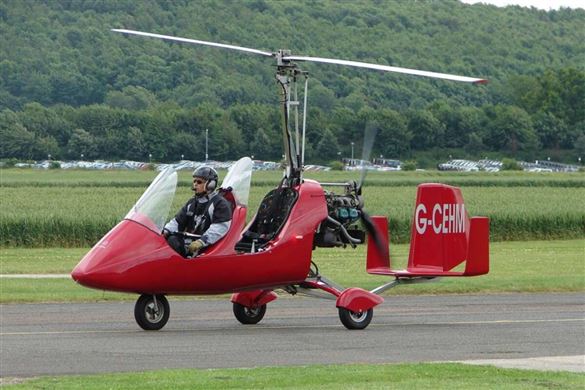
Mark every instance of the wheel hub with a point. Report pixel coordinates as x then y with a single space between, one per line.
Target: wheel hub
358 316
154 316
252 311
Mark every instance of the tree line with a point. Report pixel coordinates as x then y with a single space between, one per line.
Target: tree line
543 113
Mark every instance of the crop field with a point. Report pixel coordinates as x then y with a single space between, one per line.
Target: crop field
75 208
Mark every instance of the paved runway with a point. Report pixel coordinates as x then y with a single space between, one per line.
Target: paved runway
103 337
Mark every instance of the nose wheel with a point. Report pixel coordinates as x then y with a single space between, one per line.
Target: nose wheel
151 311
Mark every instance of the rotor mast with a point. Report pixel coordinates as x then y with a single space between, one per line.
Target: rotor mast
287 75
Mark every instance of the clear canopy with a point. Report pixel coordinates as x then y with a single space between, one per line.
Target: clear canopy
153 207
238 178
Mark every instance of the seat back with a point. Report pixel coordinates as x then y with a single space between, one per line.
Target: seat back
272 214
225 246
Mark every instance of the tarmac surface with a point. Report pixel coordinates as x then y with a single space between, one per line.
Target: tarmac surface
83 338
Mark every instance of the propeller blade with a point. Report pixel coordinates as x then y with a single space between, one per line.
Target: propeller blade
387 68
371 229
186 40
369 137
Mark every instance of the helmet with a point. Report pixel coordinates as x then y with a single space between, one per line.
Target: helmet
209 175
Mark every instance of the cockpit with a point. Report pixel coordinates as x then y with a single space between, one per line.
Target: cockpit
152 210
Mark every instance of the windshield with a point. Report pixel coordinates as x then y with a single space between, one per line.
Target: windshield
152 209
238 177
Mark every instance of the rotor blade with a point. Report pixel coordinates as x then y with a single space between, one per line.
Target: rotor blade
186 40
387 68
371 229
369 137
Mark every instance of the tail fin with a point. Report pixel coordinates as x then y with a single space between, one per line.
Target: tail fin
443 237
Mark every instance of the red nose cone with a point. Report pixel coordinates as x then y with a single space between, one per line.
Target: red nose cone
84 273
93 270
114 262
78 275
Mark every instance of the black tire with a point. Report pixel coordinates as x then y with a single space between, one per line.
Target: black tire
247 315
145 315
352 320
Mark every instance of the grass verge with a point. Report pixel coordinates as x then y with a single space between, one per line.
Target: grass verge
526 266
379 376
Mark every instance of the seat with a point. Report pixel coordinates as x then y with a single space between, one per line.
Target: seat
226 244
272 214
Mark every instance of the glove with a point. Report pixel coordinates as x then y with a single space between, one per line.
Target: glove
195 246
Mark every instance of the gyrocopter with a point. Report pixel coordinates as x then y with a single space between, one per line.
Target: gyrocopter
274 250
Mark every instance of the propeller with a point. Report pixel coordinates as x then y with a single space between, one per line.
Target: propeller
369 137
373 231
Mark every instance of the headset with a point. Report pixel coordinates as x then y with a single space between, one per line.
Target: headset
210 175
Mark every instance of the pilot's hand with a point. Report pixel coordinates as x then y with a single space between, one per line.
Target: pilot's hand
166 233
195 246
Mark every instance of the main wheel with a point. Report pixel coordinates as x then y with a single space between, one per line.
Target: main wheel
355 320
248 315
150 316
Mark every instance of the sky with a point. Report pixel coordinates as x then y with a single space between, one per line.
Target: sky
541 4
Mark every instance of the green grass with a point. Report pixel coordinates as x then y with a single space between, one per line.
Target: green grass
39 260
53 290
351 376
532 266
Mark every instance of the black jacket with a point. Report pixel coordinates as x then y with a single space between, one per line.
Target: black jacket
199 213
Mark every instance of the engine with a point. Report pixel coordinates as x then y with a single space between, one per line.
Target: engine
341 228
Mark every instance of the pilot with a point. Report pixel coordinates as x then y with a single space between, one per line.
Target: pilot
207 214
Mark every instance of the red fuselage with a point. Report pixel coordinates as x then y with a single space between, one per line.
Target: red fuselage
133 258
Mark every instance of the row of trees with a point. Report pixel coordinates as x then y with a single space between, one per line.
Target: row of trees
544 112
